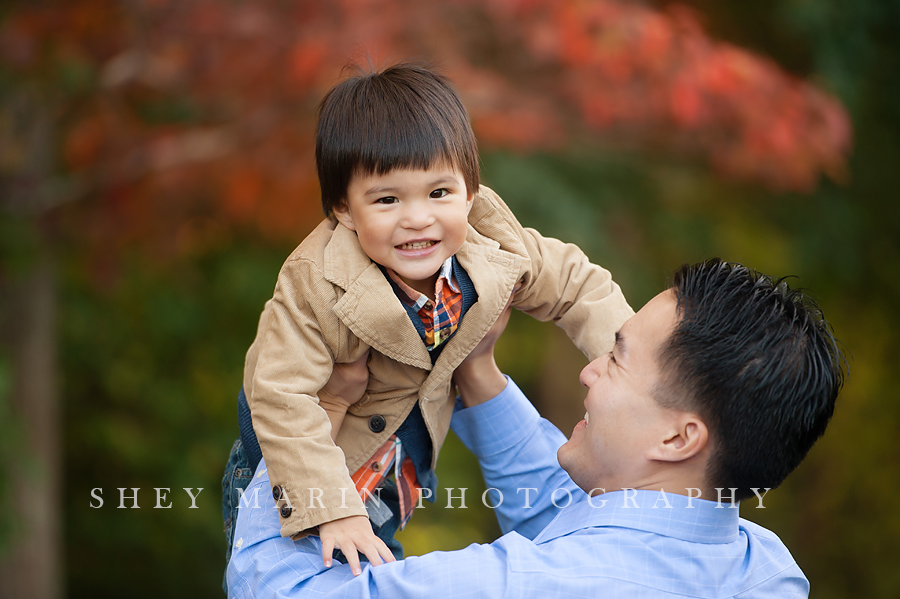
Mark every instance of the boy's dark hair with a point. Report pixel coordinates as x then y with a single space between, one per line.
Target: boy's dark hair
405 116
758 363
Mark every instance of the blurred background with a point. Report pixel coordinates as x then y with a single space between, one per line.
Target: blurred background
156 167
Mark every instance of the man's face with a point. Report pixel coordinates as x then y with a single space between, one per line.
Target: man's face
608 449
410 221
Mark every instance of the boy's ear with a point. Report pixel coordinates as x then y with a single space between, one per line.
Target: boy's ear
342 213
470 201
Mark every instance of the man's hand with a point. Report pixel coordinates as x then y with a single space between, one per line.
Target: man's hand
345 387
351 535
478 378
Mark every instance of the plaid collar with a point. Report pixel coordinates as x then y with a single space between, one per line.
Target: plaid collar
418 300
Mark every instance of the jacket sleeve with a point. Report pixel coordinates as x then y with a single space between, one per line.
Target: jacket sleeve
559 283
294 360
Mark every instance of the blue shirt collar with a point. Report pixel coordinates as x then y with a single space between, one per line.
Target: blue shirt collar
669 514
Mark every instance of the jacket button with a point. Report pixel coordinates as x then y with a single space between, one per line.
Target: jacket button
276 492
286 511
377 423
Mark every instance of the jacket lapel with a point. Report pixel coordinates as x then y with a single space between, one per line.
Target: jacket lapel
494 273
369 307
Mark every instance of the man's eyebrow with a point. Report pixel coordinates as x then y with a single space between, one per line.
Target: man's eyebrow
620 342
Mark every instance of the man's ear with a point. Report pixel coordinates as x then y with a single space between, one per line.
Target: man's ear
342 213
687 437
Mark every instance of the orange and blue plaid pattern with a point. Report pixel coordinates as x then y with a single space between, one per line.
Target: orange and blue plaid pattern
371 474
441 317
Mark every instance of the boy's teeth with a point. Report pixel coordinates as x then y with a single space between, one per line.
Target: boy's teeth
416 245
586 417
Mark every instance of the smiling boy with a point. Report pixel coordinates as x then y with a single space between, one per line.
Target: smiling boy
413 266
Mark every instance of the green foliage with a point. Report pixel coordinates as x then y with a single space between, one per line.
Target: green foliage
9 441
18 244
153 362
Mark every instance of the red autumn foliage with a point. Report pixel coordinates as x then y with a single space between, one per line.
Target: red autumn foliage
199 109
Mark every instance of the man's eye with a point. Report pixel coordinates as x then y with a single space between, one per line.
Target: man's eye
387 200
438 193
612 358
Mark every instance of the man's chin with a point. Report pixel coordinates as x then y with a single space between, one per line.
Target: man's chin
562 455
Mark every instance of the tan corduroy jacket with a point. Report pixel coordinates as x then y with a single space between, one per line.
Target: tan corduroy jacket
332 302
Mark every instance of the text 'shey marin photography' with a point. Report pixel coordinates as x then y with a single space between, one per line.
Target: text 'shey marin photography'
130 495
491 498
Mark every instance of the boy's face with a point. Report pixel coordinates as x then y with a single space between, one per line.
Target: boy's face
410 221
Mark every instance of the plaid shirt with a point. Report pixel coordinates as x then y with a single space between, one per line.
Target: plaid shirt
441 317
371 474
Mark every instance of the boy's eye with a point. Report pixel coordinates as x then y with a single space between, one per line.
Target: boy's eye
438 193
612 358
386 200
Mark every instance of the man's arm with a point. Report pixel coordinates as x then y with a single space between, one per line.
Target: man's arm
265 565
516 448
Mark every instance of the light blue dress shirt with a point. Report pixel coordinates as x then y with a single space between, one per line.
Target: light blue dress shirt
629 544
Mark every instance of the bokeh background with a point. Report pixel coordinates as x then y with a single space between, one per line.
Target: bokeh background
156 167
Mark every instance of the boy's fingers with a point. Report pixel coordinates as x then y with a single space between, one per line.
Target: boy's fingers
372 555
327 551
385 553
352 559
374 552
378 553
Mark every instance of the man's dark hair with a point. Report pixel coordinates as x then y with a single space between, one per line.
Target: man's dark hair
406 116
758 363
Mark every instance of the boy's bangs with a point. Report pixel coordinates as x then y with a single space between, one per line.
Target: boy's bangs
415 145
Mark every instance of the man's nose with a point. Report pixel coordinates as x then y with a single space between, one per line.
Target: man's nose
590 372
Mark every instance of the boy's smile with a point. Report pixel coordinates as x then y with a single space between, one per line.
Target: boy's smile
409 221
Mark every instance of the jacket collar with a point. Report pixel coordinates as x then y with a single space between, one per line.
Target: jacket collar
345 259
369 309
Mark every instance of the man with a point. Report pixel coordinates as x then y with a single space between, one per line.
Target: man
716 389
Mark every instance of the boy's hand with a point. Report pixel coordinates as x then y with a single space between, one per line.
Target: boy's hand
351 535
345 387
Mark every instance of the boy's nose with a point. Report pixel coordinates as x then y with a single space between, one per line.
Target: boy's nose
417 218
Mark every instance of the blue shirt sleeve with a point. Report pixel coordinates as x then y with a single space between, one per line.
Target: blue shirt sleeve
516 449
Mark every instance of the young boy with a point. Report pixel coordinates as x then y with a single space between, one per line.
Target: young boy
416 261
